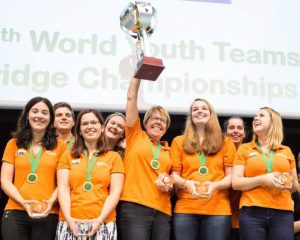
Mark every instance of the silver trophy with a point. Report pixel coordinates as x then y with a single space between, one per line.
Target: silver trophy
139 20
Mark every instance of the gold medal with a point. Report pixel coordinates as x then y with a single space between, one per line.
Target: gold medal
88 186
155 164
203 170
32 177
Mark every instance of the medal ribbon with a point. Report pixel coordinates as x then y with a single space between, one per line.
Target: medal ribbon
156 151
34 162
268 161
202 158
91 164
70 143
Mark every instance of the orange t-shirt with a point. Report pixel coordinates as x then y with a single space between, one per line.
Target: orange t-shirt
46 172
250 156
188 165
139 186
88 205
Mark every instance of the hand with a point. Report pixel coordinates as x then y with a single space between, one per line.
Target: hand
27 206
96 223
164 182
190 186
72 223
273 180
211 187
49 204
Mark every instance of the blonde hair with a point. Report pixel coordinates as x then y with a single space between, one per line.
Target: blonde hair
159 109
213 137
275 133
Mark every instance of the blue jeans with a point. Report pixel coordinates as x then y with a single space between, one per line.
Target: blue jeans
266 224
201 227
138 222
18 225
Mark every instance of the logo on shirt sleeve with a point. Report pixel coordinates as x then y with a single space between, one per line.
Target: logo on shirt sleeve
281 155
21 152
253 154
75 161
50 153
101 164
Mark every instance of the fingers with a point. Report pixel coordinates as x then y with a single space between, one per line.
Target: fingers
162 184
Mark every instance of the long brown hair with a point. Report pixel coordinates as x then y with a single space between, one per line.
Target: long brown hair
213 137
79 144
23 133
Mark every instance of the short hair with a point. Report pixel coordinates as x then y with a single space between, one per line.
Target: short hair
66 105
159 109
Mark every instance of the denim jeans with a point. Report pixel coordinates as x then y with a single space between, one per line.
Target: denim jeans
201 227
138 222
18 225
266 224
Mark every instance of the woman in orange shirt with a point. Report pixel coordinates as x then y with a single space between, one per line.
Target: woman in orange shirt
145 208
90 181
262 171
234 127
202 160
28 175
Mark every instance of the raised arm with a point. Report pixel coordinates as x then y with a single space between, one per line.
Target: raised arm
131 104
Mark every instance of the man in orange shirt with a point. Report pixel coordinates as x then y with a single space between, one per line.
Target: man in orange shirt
64 122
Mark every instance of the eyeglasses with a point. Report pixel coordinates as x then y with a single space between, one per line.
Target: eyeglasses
92 123
161 120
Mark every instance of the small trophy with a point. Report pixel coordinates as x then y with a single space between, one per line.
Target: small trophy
286 179
138 20
38 208
201 188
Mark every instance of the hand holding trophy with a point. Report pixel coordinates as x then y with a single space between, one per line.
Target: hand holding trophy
138 20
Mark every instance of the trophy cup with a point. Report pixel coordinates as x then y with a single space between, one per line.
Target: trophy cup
138 20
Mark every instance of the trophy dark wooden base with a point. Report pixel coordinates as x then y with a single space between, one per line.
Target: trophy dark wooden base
149 68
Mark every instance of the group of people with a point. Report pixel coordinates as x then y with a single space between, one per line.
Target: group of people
110 179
